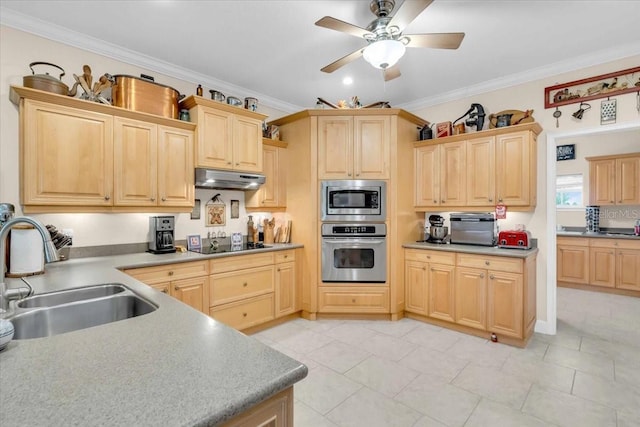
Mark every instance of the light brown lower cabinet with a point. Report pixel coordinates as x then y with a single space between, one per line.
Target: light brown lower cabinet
485 294
277 411
612 265
187 281
249 290
353 299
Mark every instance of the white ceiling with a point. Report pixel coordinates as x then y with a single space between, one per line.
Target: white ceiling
273 50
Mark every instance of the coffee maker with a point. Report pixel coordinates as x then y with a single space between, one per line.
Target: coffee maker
161 234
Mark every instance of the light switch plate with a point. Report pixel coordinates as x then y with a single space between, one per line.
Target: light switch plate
608 111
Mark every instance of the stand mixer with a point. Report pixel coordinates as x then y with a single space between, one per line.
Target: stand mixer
437 231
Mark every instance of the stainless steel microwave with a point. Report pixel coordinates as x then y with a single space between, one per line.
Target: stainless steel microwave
353 200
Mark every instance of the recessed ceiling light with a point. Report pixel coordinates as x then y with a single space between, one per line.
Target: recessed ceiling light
347 80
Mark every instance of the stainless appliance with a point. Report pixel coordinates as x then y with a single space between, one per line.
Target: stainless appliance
161 234
354 253
353 200
210 178
473 228
437 231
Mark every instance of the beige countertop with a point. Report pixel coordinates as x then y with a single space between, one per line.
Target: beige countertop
597 235
473 249
174 366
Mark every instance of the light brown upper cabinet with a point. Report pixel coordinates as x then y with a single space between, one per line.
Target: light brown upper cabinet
273 193
81 156
478 170
153 165
354 147
227 137
614 180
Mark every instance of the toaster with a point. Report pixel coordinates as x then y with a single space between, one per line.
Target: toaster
519 239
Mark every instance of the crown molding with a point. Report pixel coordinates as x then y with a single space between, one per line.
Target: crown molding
63 35
568 65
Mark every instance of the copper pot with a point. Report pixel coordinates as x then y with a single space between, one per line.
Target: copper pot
145 95
45 81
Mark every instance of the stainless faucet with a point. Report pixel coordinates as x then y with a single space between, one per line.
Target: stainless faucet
50 255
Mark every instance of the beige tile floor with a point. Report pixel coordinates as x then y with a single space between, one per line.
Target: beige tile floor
408 373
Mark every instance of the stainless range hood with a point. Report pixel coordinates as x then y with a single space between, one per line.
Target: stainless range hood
210 178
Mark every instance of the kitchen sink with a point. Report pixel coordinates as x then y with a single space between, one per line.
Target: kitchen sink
70 310
71 295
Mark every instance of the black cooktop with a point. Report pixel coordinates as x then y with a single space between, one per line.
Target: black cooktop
208 249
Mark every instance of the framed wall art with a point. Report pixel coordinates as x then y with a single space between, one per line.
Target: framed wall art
216 212
602 86
235 209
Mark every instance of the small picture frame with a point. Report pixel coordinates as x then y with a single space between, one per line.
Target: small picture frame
565 152
235 209
216 215
194 242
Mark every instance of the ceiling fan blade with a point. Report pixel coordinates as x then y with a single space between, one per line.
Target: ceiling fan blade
436 40
344 27
408 11
391 73
343 61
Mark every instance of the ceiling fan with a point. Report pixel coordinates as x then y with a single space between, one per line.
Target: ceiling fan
386 43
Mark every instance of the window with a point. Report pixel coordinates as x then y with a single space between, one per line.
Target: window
569 191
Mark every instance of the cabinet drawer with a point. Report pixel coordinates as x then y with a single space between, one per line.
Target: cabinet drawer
162 273
436 257
369 300
232 286
285 256
615 243
240 262
246 313
572 241
511 265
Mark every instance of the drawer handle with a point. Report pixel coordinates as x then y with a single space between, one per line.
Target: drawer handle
487 263
171 273
492 277
244 314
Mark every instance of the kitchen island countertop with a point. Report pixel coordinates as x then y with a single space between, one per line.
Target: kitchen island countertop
174 366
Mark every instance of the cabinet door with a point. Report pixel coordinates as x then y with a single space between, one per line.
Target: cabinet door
481 171
193 292
602 267
471 297
628 181
441 292
514 173
175 167
67 156
427 175
628 269
573 264
602 182
214 140
247 144
285 288
453 181
135 162
335 148
504 303
372 144
416 287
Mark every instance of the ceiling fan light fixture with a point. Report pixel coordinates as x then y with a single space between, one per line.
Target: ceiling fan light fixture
384 53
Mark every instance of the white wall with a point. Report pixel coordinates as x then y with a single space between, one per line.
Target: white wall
531 96
598 145
17 50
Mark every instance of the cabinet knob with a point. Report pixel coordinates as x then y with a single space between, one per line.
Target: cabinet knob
244 314
165 290
153 199
107 197
353 300
500 199
619 201
610 201
492 277
244 284
286 256
432 269
482 275
228 163
171 273
164 199
490 199
442 201
487 263
428 256
348 174
357 174
237 164
424 268
435 201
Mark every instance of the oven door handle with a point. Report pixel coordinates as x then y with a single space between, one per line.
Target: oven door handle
354 241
